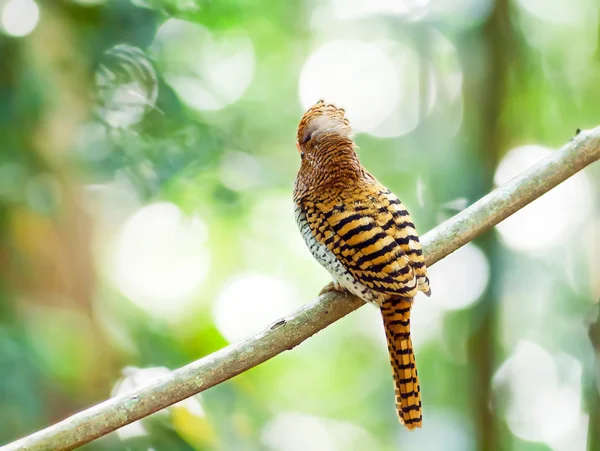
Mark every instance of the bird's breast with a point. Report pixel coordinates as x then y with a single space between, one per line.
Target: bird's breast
331 263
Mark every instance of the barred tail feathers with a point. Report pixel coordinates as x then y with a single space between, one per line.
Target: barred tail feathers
396 322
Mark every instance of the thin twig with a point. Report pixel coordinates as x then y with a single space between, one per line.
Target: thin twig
287 333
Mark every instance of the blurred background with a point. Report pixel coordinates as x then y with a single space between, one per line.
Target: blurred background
146 171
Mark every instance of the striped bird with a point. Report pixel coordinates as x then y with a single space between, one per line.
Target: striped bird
362 234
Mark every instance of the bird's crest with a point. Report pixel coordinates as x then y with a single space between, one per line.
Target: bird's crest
323 118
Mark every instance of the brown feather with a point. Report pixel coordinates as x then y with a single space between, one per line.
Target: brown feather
396 322
360 231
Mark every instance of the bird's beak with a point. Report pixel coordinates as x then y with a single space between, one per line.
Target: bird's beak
298 147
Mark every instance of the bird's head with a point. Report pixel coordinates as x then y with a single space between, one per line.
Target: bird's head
326 149
322 121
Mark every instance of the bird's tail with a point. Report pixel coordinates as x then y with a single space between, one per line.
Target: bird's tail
396 322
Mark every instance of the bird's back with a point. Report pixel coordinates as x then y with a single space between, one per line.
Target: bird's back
366 227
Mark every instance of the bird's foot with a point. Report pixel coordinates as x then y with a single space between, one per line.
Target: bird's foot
331 286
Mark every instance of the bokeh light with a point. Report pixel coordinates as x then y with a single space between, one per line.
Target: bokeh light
457 282
459 279
249 303
583 279
572 12
160 259
110 204
89 2
549 25
20 17
445 430
126 86
445 86
426 86
426 321
543 397
271 225
384 85
239 171
550 220
93 141
291 431
359 9
360 77
524 311
208 71
459 14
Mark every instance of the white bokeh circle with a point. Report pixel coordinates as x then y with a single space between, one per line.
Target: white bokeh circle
549 220
160 259
19 17
460 279
360 9
386 86
206 70
572 12
357 76
544 396
250 302
293 431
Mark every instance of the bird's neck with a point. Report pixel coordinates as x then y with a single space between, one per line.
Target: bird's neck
332 166
341 167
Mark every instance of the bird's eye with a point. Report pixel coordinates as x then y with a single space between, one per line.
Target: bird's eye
302 155
306 137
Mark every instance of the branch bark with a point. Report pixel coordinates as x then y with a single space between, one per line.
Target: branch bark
290 331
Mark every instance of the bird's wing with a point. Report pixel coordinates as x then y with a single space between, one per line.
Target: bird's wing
408 239
373 237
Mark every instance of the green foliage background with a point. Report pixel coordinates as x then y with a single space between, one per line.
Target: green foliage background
70 177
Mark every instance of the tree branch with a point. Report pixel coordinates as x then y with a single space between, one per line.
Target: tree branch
222 365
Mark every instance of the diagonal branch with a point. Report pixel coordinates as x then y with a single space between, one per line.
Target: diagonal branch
222 365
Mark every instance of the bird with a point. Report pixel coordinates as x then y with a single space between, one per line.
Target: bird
363 235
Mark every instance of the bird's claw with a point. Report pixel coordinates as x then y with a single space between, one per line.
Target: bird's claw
331 286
